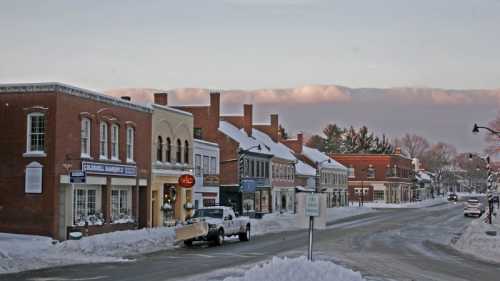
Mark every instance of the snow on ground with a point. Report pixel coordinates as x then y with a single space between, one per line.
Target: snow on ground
415 205
26 252
475 241
298 269
273 223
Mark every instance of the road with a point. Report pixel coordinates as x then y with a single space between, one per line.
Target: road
391 244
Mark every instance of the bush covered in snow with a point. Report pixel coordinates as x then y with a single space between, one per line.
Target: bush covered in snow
298 269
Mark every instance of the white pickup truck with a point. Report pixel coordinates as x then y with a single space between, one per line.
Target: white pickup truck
213 224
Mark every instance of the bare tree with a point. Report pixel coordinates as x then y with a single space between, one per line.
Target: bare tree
438 158
414 146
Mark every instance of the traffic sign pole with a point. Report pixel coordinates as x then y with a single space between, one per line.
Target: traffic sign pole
311 228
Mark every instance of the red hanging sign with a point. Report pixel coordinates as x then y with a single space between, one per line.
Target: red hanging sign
186 180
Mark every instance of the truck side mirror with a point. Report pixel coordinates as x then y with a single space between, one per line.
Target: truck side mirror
228 218
236 214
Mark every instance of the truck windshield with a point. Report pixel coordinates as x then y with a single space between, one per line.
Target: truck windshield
211 213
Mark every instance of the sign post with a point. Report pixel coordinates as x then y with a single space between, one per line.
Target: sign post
312 210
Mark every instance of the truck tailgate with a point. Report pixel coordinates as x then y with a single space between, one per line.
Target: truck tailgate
191 231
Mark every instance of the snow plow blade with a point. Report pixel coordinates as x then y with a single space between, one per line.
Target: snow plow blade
191 231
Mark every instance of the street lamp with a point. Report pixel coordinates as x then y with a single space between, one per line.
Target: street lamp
476 128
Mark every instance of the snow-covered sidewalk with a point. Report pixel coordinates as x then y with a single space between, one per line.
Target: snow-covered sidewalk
27 252
475 241
409 205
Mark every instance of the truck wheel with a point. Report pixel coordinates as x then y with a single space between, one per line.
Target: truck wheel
246 235
219 240
188 243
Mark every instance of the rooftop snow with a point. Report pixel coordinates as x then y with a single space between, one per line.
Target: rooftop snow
279 150
318 156
241 137
302 168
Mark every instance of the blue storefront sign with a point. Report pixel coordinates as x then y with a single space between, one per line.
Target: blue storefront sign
109 169
248 186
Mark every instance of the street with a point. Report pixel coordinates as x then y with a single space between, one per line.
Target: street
391 244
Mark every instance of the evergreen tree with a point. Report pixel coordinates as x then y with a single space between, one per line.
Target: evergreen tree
334 138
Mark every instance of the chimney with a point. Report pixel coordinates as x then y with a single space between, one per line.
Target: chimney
247 119
274 127
161 98
213 116
127 98
300 141
398 150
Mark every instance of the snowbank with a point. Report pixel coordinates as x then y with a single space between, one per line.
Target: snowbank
27 252
298 269
475 241
414 205
273 223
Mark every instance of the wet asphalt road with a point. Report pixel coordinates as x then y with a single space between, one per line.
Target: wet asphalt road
391 244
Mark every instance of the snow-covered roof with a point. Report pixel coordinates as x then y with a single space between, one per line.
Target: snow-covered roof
303 169
279 150
317 156
241 137
423 176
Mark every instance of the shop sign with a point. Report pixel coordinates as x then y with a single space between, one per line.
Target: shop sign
77 177
211 180
186 181
248 186
109 169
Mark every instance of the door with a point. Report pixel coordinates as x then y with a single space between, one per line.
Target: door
154 208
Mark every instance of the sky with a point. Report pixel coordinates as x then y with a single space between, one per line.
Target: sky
262 46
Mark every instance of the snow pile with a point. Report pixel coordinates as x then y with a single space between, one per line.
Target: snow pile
298 269
475 241
275 223
414 205
27 252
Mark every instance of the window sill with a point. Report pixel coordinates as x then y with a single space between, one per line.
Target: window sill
114 160
35 154
86 157
130 161
103 158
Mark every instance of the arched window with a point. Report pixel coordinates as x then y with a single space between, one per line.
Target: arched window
159 149
179 151
186 152
169 150
85 138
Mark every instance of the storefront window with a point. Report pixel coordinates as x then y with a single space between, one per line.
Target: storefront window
86 207
121 211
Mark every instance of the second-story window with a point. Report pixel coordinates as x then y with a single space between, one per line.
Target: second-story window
85 138
370 172
206 165
179 151
186 152
159 149
36 133
115 145
103 140
169 151
130 144
351 172
266 174
213 165
197 165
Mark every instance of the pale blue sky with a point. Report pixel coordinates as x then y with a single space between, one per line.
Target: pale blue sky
251 44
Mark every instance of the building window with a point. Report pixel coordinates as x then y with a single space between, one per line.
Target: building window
252 171
378 195
169 151
179 151
246 168
115 145
186 152
197 133
130 144
351 172
86 207
370 172
159 149
197 165
258 169
36 133
85 138
206 163
213 165
103 141
266 170
120 205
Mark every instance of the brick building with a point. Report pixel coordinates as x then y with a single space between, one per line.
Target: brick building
332 175
50 129
378 177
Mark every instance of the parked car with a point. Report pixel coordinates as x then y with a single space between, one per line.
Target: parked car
213 224
473 207
452 197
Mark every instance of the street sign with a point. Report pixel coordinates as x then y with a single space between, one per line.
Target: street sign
77 177
312 205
